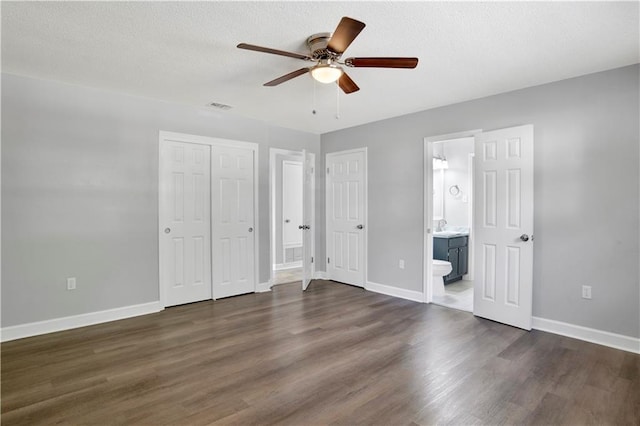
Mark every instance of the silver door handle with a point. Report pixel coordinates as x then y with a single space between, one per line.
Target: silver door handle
250 229
524 237
360 226
167 230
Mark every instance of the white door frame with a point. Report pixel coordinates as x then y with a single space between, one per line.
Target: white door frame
365 203
427 279
165 136
273 152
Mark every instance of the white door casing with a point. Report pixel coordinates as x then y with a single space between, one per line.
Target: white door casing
185 222
292 218
503 276
308 207
346 216
233 221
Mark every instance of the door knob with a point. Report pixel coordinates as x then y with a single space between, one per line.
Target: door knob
360 226
250 229
307 227
300 226
524 237
167 230
287 221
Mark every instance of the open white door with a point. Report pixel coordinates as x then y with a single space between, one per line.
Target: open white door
503 276
346 204
308 206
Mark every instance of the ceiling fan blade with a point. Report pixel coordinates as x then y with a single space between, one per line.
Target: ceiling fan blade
347 30
347 85
287 77
273 51
382 62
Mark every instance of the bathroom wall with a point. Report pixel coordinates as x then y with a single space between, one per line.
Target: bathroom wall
456 207
586 195
80 193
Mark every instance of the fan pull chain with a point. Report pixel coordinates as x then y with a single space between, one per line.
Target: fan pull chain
313 106
337 101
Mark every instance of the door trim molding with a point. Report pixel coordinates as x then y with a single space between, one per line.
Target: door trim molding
427 278
165 136
365 203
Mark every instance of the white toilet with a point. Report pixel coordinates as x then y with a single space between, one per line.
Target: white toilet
439 269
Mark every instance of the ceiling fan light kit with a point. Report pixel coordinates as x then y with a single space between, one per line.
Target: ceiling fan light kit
326 73
326 49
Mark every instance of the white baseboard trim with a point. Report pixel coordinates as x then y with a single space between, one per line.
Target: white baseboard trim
402 293
263 287
285 266
320 275
75 321
613 340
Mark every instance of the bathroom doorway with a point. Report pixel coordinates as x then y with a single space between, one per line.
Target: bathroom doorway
449 198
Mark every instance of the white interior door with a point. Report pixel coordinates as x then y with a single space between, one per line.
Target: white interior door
292 181
308 206
503 276
346 173
233 232
185 222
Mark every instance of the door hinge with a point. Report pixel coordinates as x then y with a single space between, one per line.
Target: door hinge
311 259
312 170
328 170
328 260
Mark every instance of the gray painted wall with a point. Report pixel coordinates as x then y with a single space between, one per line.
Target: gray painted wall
587 187
80 193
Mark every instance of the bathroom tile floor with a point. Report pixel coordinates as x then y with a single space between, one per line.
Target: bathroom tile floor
458 295
287 276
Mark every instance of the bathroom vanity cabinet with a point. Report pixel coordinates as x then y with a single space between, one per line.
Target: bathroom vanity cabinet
455 250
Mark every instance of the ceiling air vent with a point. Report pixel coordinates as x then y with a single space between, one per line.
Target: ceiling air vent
223 107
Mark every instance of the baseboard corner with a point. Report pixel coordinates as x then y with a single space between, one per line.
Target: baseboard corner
263 287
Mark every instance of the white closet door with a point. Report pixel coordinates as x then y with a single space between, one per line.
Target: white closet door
185 222
503 276
233 220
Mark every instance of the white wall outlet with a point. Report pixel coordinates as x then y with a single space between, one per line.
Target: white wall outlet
71 283
401 263
586 292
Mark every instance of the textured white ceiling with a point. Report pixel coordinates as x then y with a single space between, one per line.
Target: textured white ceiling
186 51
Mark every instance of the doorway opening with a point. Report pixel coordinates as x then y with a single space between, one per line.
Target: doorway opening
292 202
498 247
452 195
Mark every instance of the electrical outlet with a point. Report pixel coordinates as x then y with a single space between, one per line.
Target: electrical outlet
401 263
586 292
71 283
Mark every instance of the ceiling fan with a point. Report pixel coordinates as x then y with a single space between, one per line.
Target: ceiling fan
326 50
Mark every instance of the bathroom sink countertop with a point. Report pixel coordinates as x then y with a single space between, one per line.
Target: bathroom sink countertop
450 233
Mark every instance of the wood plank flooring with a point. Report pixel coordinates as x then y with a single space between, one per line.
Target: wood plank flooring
333 355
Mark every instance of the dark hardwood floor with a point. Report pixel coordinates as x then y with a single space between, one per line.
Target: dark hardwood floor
334 355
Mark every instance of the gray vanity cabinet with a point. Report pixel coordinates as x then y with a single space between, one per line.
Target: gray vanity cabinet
454 250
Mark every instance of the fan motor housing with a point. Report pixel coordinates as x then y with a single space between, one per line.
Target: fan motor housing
318 46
